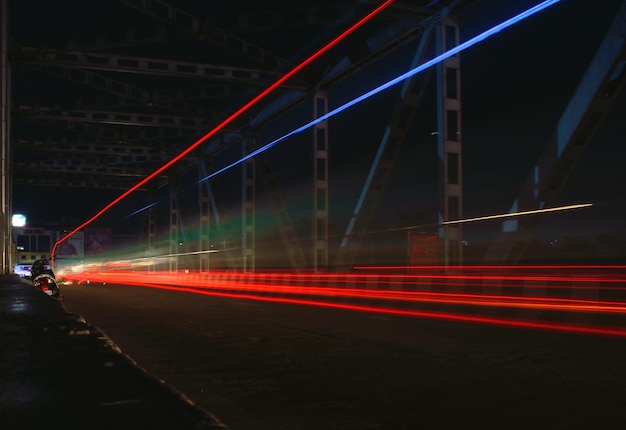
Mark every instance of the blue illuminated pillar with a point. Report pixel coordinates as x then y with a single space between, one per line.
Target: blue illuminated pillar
449 144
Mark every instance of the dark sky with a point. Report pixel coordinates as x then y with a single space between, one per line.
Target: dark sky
525 78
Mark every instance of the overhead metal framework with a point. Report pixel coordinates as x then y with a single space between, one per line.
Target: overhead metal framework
149 86
100 108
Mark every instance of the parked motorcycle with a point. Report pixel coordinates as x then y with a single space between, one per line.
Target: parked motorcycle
44 279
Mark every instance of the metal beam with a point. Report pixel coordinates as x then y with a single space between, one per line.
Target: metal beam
398 34
294 17
97 149
141 65
141 95
371 49
201 29
154 135
73 167
110 39
66 181
123 118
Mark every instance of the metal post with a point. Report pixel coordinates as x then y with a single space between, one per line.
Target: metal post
150 232
320 183
174 215
248 239
204 245
5 112
449 143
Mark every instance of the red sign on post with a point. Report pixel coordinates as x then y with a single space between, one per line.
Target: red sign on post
423 249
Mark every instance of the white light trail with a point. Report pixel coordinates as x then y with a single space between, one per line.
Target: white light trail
513 214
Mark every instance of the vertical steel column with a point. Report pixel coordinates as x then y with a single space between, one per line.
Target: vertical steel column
204 227
248 238
6 237
449 146
174 218
150 228
320 183
151 238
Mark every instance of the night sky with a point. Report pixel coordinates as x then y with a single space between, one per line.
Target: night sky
539 64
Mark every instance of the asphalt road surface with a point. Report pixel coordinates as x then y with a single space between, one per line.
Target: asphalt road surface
269 366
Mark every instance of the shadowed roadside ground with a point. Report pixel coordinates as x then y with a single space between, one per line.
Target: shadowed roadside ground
57 371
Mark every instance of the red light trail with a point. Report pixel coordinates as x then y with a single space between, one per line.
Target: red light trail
229 119
602 303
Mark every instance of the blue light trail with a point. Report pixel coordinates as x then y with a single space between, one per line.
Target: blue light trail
143 209
453 51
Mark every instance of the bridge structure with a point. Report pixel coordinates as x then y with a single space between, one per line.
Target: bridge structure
99 108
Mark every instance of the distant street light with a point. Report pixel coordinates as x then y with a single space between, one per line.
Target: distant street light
18 220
